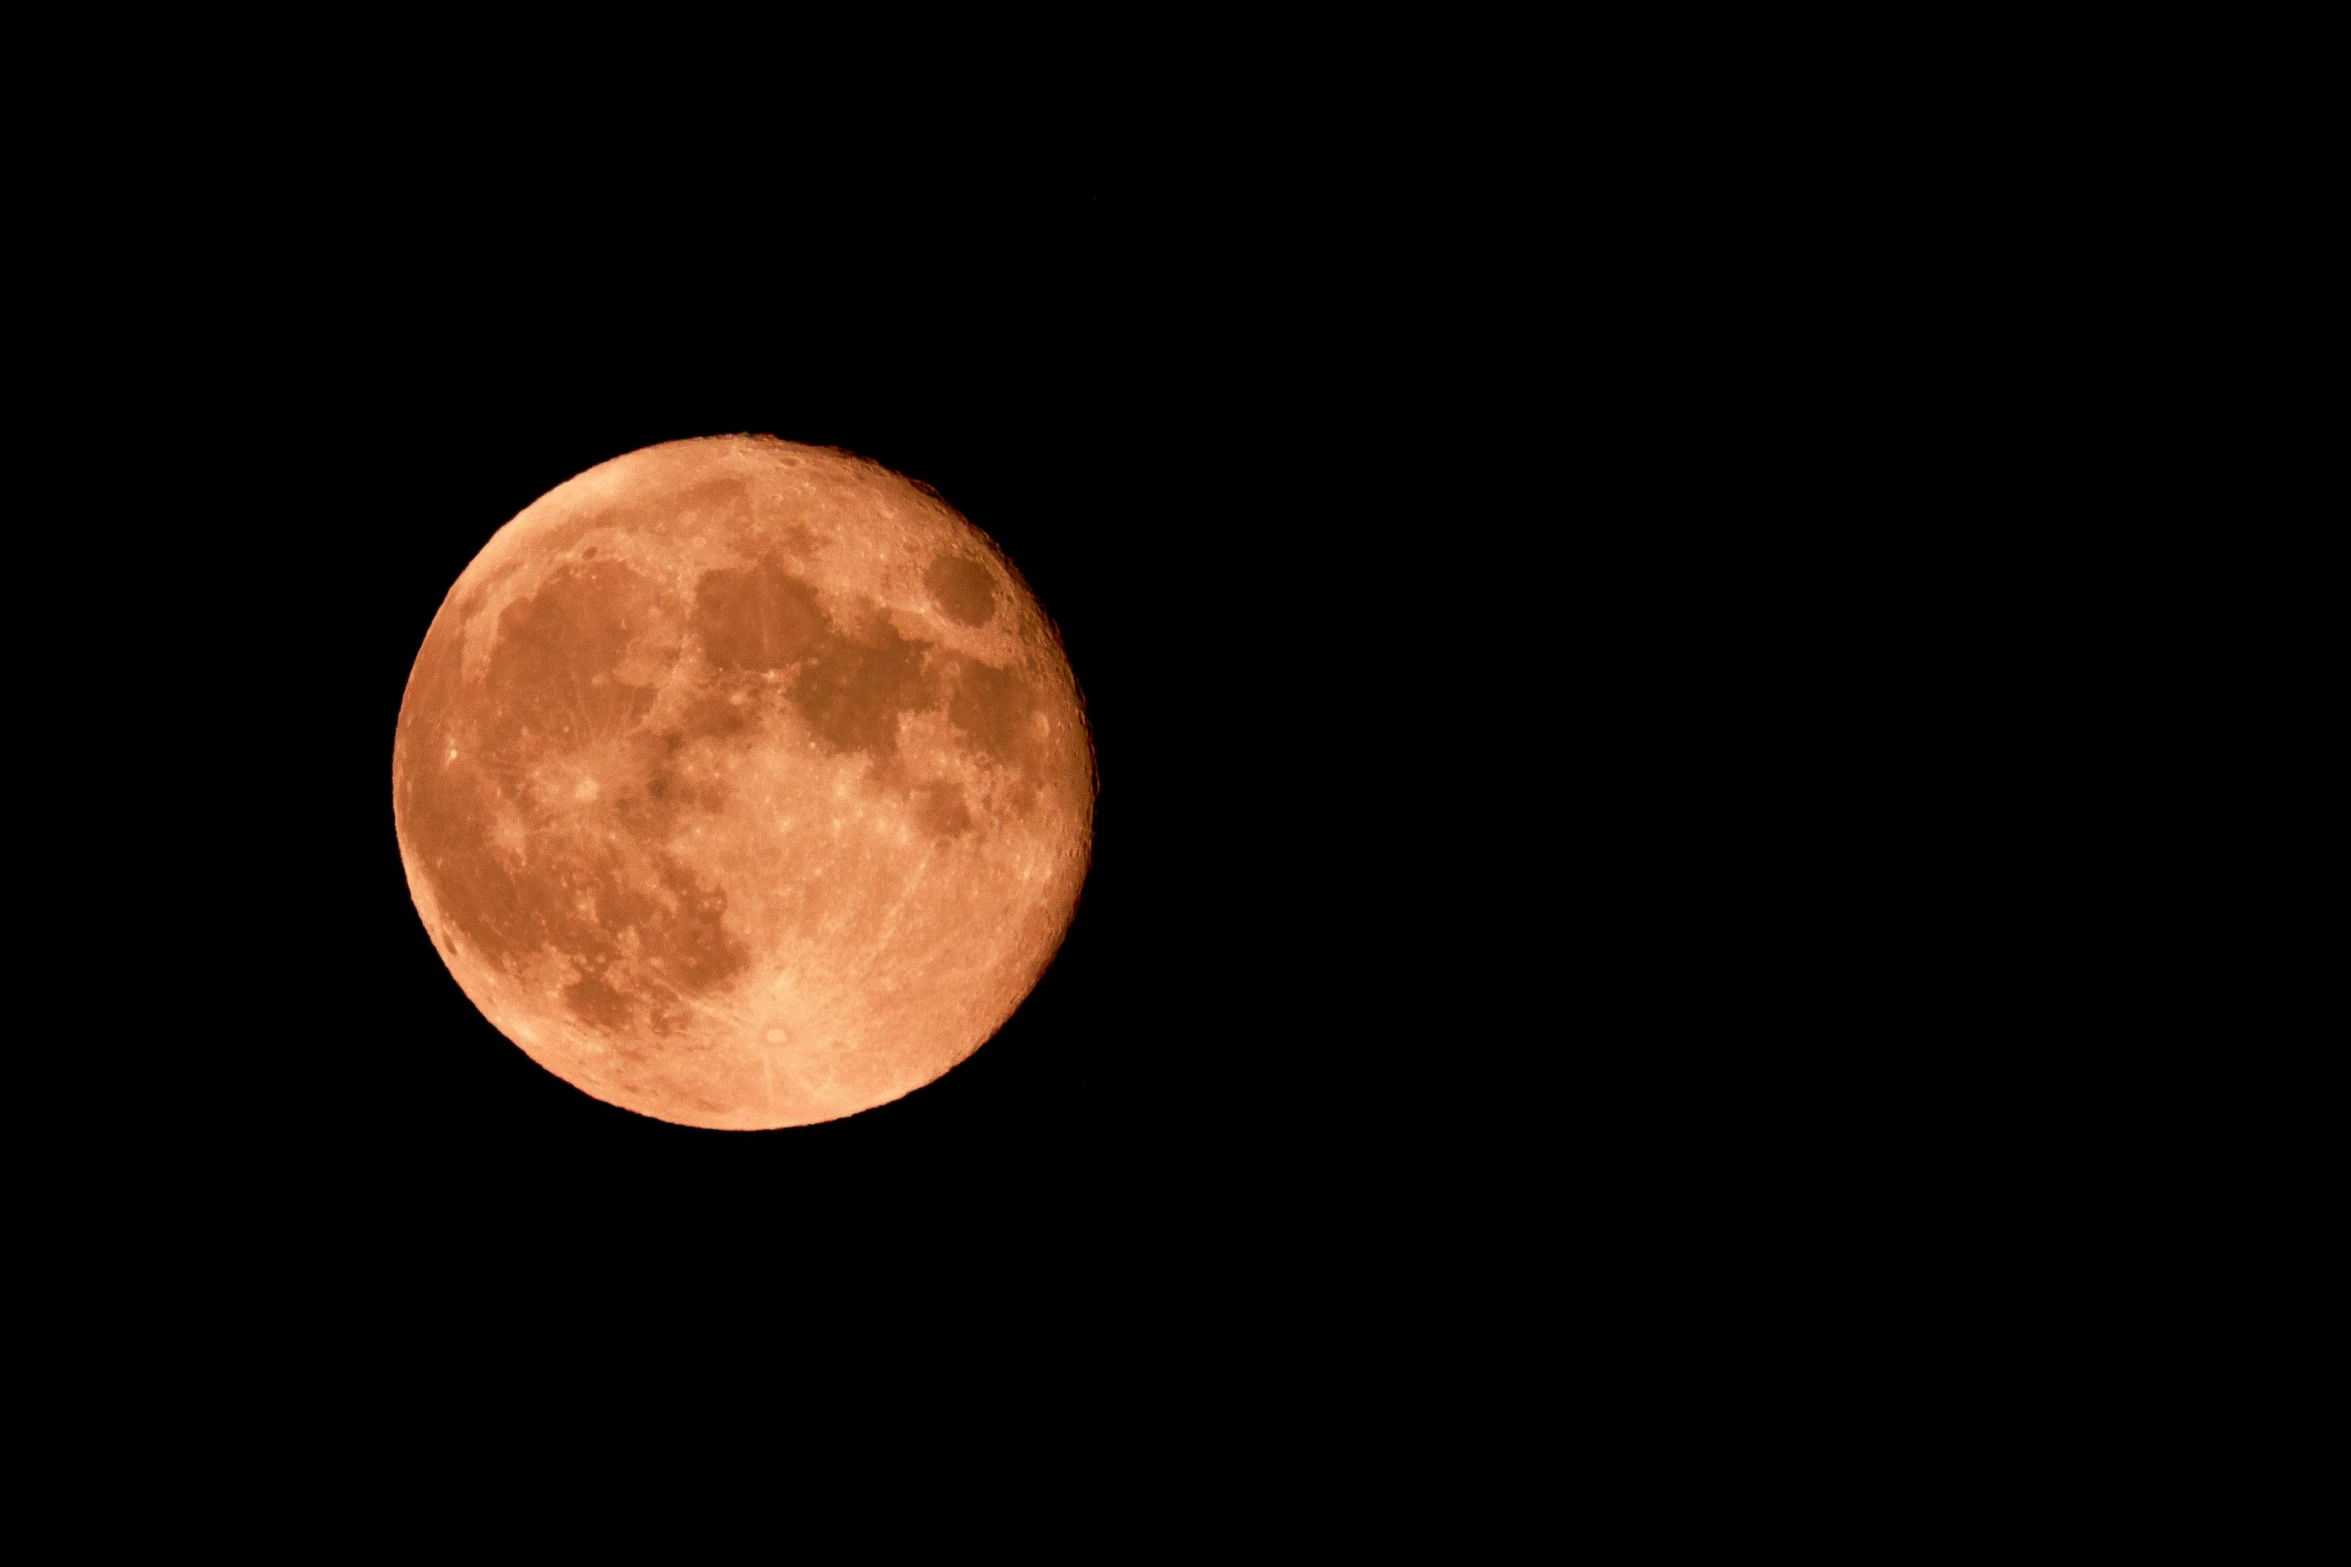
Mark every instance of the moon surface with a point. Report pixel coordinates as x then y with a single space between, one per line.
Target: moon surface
743 784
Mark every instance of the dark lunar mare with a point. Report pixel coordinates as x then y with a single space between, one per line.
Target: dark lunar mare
551 688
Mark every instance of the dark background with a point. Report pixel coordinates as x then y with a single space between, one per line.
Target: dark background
1224 459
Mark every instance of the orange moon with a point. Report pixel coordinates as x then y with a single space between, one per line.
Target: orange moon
743 784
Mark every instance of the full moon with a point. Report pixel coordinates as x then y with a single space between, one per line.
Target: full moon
743 784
